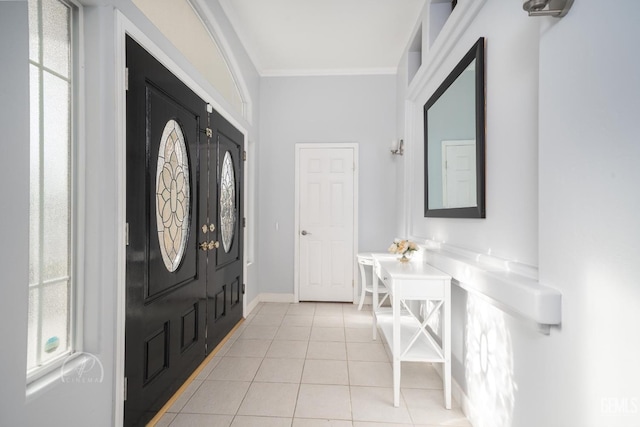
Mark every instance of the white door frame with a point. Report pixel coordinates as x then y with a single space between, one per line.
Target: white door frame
296 254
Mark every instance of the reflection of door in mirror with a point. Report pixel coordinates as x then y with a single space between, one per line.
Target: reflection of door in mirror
459 173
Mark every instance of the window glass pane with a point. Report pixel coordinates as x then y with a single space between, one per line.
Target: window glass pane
32 334
50 282
55 312
34 184
56 178
56 38
34 39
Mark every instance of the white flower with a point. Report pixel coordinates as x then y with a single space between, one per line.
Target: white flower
402 246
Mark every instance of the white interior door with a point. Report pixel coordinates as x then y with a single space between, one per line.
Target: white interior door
326 223
459 174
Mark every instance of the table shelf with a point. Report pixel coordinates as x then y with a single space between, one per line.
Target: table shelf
422 349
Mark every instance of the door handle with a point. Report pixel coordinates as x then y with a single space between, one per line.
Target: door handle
204 246
213 245
304 232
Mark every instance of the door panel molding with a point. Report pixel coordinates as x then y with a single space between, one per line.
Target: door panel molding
296 264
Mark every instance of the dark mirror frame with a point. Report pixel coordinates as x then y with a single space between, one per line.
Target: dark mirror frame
476 53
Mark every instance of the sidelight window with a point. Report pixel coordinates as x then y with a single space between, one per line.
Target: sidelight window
52 214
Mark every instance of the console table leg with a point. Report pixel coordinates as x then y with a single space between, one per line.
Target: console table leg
447 347
395 304
396 381
374 305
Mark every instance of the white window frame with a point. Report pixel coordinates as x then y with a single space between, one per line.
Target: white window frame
49 372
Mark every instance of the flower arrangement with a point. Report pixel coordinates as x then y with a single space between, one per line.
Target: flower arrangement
404 248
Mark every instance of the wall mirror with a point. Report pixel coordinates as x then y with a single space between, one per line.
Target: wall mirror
454 146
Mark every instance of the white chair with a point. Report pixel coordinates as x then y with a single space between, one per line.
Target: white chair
366 258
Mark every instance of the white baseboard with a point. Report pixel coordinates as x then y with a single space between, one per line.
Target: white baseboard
252 305
460 396
457 394
268 297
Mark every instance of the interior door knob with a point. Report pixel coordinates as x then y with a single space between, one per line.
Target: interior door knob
304 232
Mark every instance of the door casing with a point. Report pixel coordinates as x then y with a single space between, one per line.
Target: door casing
296 257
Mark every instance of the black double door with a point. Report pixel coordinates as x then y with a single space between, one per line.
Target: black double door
185 233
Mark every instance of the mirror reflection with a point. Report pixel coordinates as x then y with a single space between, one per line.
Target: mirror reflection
454 142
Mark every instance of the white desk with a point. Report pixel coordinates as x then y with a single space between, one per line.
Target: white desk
405 334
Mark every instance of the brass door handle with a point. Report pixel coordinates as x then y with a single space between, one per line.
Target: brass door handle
213 245
204 246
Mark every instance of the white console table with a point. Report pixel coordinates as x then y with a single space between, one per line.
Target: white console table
405 334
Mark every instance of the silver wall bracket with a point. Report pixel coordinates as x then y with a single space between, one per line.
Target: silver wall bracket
555 8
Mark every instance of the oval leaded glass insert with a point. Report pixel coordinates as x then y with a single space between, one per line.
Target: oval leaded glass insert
227 202
172 195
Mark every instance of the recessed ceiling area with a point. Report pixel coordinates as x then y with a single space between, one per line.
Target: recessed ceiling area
316 37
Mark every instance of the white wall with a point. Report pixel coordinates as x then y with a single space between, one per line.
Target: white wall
589 203
357 109
60 403
562 194
14 259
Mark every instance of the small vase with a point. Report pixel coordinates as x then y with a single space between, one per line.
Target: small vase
405 257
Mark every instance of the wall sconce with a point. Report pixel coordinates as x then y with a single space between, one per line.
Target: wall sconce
397 147
556 8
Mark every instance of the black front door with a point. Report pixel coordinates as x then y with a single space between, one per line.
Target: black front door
225 291
166 208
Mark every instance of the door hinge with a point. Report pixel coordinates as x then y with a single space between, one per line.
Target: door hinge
126 234
125 388
243 288
209 132
126 78
244 222
244 155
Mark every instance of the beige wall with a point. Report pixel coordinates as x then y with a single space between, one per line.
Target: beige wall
178 21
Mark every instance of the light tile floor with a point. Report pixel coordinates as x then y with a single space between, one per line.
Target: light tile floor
309 365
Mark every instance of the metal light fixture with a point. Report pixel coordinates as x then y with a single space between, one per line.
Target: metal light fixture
397 147
556 8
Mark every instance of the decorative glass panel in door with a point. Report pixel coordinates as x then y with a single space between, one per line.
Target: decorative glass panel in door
172 195
227 202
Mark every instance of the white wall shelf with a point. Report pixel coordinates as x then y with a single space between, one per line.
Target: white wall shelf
509 285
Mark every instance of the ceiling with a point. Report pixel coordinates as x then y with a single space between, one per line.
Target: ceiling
319 37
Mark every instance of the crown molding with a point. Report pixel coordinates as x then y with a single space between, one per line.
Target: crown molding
328 72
